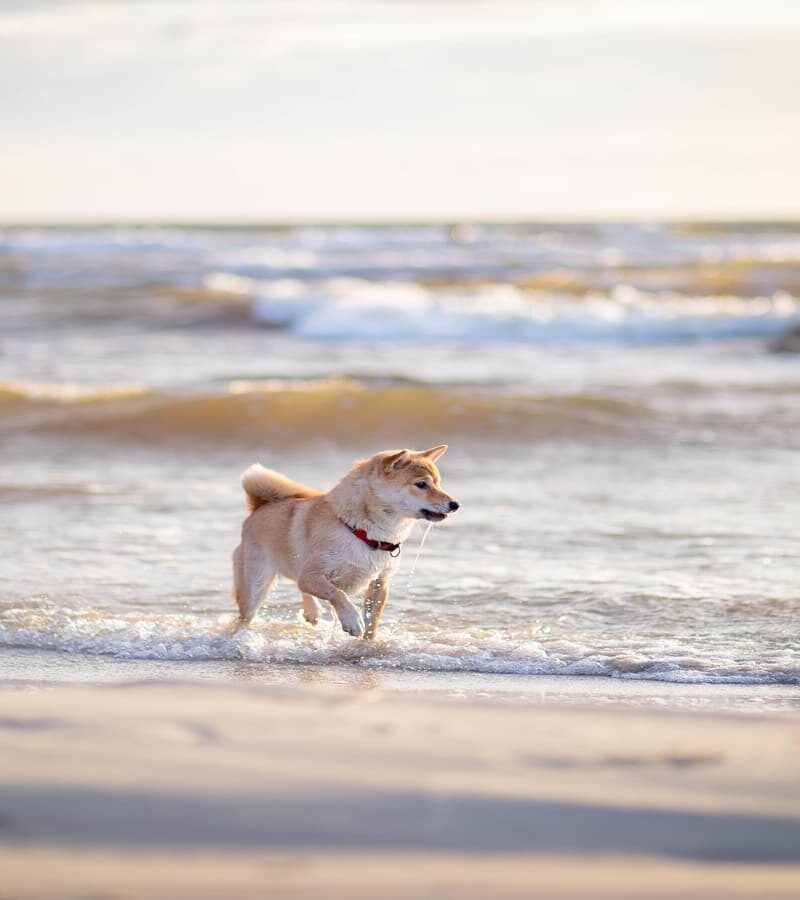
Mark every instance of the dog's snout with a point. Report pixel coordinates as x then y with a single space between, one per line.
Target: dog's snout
453 505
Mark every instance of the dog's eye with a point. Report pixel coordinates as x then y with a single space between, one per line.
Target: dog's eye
421 485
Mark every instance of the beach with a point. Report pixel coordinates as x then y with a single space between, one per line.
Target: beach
186 790
587 681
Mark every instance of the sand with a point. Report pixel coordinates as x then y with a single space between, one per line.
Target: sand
229 791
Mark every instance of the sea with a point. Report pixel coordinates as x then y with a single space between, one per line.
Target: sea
623 431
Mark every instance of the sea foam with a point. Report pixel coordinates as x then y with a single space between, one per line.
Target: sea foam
411 647
349 309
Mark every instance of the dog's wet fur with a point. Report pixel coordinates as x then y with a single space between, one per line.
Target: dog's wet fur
305 535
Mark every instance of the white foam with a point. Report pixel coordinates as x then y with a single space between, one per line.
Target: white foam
361 283
420 648
352 309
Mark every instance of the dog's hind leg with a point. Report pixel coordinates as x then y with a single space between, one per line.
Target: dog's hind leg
238 576
254 575
311 609
374 601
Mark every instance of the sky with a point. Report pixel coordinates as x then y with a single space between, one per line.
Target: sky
394 109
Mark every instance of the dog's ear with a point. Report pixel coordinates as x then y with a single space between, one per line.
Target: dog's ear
394 460
434 453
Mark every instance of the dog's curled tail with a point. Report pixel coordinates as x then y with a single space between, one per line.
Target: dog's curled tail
266 486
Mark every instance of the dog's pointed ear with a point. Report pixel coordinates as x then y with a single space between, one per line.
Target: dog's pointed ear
435 452
394 460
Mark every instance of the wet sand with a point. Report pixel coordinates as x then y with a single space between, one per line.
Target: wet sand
165 790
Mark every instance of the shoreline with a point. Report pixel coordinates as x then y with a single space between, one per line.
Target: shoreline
119 788
34 668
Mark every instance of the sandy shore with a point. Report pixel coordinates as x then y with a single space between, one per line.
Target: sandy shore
211 791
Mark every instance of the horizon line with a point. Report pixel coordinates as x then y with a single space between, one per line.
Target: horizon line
388 221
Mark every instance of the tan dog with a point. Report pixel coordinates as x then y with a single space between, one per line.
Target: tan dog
338 543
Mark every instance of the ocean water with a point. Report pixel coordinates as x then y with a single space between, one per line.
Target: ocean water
623 438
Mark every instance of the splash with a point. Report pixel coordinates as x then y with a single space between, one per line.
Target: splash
41 623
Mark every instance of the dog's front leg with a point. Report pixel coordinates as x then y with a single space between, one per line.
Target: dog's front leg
374 601
319 585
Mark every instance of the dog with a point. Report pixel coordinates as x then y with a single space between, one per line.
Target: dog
340 543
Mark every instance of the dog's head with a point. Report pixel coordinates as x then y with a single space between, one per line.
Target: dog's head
407 483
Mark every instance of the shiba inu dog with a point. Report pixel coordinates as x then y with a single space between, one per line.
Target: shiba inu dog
340 543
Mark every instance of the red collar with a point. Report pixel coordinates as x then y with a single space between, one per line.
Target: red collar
393 549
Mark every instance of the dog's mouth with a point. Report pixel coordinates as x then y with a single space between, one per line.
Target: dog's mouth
432 516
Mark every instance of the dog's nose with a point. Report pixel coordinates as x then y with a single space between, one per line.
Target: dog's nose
453 506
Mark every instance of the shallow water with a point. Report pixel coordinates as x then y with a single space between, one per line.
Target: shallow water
624 445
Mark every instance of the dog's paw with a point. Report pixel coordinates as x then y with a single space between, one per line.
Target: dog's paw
352 622
311 610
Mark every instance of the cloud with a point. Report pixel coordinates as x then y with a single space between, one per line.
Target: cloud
255 32
363 107
439 175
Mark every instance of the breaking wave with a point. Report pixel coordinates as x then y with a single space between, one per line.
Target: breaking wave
354 309
43 625
435 283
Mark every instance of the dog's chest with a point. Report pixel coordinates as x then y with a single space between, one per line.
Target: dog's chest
357 562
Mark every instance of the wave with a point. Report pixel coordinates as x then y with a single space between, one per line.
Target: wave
477 283
354 309
42 624
20 393
279 411
47 492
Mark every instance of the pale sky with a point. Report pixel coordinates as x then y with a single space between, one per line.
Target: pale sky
381 109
